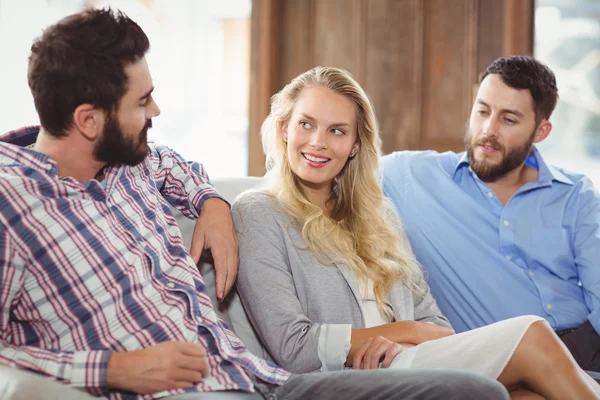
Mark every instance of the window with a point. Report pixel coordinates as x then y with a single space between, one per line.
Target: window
567 39
199 60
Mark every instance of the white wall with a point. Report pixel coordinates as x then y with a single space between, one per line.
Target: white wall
186 60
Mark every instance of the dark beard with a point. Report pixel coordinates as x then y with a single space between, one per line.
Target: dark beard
510 161
114 148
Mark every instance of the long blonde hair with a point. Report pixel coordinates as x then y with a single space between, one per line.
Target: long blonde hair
362 231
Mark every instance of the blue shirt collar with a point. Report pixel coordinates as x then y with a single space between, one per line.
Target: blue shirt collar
547 173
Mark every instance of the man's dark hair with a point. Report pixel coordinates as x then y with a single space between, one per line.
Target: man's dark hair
81 60
522 72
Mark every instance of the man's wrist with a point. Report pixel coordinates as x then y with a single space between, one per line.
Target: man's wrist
214 201
116 371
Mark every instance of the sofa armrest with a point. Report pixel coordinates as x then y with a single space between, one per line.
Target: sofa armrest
22 385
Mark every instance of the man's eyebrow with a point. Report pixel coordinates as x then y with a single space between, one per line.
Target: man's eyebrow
148 93
483 103
504 111
514 112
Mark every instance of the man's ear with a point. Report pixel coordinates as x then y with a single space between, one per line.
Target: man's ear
542 131
89 121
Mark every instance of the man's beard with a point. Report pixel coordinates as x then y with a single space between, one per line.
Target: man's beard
114 148
487 171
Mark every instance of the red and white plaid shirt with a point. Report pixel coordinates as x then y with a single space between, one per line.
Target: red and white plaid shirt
86 270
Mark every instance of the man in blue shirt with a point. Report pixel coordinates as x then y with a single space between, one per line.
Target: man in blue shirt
500 232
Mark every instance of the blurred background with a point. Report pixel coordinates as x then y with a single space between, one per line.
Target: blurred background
215 64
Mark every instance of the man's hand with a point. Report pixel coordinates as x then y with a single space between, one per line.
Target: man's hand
377 350
214 230
165 366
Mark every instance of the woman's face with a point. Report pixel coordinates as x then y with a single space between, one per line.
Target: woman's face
321 135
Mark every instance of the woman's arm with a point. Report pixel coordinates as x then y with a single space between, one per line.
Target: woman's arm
429 323
267 289
413 332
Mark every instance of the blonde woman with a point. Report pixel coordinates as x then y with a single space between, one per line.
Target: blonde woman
327 276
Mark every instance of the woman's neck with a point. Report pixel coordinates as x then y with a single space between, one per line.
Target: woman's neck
319 196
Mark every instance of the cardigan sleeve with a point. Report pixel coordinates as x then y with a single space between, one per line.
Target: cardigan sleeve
268 292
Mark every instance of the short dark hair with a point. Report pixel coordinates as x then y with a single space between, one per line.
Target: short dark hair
522 72
81 60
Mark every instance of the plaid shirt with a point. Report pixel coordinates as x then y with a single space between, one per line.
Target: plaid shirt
86 270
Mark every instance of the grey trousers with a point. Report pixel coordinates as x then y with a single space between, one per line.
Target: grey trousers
371 385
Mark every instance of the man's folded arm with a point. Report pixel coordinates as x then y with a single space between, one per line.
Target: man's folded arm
80 369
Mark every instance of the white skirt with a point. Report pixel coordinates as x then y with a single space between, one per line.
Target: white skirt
485 350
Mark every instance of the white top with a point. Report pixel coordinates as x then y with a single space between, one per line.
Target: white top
370 311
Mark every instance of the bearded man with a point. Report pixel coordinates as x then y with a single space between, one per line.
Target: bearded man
500 232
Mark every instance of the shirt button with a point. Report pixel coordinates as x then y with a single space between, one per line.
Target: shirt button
549 306
505 223
490 195
530 273
171 285
508 257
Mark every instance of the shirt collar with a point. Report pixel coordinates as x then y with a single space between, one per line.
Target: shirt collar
15 148
462 161
546 173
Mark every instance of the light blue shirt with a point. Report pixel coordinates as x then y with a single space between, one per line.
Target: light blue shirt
539 254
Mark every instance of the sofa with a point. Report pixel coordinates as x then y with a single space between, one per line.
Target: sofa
21 385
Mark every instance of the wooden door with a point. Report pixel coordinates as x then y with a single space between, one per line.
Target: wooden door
418 60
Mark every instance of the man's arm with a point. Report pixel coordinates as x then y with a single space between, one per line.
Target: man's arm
586 246
165 366
186 186
83 369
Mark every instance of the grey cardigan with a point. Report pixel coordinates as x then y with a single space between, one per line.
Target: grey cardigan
302 310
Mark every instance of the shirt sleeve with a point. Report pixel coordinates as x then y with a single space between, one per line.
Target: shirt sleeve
395 179
334 346
81 369
587 248
184 184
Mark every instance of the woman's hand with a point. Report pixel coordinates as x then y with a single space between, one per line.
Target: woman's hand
376 350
